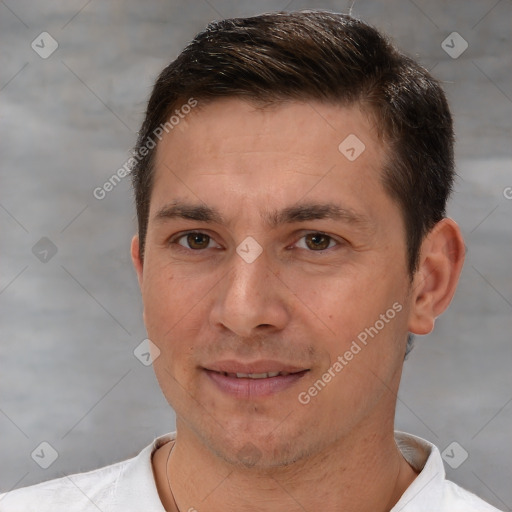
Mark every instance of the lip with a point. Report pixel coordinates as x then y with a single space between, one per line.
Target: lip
248 388
261 366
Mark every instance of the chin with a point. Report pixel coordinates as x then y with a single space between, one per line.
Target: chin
262 451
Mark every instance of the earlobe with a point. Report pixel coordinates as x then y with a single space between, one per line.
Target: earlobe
435 281
136 260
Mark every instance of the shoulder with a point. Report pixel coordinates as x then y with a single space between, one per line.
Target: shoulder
431 490
83 491
124 486
457 499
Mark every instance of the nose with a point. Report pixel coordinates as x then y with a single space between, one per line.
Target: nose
250 299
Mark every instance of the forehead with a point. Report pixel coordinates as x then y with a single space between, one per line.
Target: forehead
271 155
227 125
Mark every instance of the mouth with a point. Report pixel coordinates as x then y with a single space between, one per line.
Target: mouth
256 375
255 380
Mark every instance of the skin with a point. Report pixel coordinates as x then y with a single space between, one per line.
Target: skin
295 303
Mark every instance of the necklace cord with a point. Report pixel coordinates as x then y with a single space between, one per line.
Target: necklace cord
167 476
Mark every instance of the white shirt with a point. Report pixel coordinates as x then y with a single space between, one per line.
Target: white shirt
130 486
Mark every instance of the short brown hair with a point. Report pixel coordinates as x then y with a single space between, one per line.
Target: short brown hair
323 56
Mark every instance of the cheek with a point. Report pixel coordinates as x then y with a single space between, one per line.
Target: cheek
355 306
175 312
169 295
164 308
170 307
363 369
337 300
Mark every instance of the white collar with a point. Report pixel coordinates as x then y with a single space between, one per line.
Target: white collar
423 456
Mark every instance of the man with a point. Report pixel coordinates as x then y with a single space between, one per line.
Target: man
292 238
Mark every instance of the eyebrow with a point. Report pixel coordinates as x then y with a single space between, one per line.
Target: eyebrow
297 213
179 210
314 211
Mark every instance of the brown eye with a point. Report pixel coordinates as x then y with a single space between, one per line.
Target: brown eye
317 241
196 241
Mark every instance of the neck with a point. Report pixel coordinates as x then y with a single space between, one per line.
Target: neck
362 472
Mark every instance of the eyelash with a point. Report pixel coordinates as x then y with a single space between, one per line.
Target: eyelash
175 241
321 233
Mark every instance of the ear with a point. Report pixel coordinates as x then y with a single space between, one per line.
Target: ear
136 260
435 281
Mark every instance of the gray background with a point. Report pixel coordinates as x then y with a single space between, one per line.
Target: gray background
69 325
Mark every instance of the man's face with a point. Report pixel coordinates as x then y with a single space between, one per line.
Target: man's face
296 253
